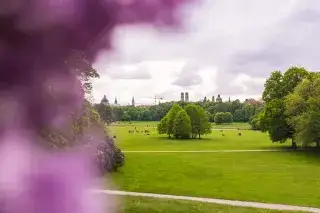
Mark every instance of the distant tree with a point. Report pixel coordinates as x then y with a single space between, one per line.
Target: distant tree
204 123
126 117
145 115
255 121
182 125
219 118
239 115
105 112
162 127
235 105
133 113
227 117
174 110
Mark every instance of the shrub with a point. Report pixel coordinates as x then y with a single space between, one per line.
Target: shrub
108 157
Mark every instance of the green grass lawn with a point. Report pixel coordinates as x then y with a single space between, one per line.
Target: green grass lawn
154 124
215 141
271 177
147 205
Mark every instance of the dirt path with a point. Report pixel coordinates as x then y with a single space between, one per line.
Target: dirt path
217 201
213 151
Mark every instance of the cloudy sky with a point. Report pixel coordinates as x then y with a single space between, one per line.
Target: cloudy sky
227 47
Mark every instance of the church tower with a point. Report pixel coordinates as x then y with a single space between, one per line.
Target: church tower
186 97
182 97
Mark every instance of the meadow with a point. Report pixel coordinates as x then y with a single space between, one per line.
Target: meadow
284 177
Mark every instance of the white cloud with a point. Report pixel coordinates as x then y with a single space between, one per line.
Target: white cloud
230 48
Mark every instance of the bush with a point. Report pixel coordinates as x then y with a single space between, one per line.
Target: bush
108 157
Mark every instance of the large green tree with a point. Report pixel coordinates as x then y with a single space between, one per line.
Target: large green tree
302 108
199 120
182 125
204 124
174 110
162 127
277 87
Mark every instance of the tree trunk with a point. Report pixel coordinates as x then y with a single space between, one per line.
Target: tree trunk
199 135
318 143
294 144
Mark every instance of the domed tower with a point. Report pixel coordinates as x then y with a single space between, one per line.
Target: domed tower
186 96
104 100
219 99
182 97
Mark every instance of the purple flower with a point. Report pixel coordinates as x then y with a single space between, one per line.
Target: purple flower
38 89
33 180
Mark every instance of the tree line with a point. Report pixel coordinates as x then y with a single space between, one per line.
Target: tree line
219 112
292 107
189 122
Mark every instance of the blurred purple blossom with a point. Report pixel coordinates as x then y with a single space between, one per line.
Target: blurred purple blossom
36 38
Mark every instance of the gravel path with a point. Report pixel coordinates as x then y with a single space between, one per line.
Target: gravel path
217 201
213 151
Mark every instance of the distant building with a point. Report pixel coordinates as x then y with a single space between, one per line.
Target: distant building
182 97
219 99
252 101
186 96
212 99
132 102
104 100
115 101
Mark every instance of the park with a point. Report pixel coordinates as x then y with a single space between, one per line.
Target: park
271 173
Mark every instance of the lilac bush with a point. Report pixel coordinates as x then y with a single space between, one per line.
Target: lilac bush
39 91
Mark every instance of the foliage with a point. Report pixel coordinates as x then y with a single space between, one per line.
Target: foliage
82 68
223 117
219 118
182 125
277 87
108 157
204 123
241 111
162 127
193 113
199 120
302 108
174 110
105 112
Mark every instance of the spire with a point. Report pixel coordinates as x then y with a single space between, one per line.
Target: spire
133 102
229 99
115 101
